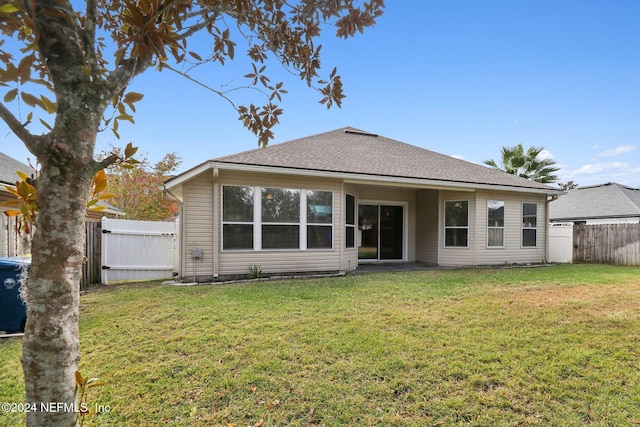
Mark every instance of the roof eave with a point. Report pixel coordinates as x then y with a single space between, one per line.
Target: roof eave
585 218
179 180
356 178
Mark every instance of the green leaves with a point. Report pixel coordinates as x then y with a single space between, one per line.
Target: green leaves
8 8
529 165
84 384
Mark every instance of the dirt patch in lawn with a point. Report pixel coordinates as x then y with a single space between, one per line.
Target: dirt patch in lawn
606 300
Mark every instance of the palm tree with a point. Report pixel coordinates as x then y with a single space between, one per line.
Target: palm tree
527 164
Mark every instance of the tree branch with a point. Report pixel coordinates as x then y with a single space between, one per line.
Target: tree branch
122 76
104 163
217 92
32 142
59 42
89 37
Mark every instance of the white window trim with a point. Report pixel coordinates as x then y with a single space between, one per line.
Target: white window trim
258 190
257 220
492 227
528 228
354 225
444 221
303 214
223 222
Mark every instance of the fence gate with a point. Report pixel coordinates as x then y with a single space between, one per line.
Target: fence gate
138 250
561 242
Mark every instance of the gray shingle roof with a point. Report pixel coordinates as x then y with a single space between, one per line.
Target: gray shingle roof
8 168
350 150
608 200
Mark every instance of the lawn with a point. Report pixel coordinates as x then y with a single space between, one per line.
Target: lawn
550 346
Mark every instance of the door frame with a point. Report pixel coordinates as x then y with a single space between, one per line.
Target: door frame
405 228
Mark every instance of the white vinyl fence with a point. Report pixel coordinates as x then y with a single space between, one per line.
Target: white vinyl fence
138 250
561 242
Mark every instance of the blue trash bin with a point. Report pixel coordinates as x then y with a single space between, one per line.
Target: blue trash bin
13 311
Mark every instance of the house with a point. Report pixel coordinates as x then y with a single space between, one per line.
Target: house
11 244
332 201
608 203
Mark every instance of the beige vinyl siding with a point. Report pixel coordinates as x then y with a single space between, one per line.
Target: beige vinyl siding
384 195
457 256
198 216
513 251
284 261
478 253
427 226
278 261
349 257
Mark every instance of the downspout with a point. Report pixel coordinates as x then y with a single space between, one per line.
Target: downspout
216 221
181 252
475 229
546 214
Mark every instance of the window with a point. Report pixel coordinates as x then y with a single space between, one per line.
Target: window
280 218
319 220
529 224
495 224
237 217
350 221
257 218
456 223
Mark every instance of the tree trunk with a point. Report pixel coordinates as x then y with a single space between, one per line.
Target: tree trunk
51 344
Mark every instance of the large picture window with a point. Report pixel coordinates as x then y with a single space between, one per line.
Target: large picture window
495 224
350 222
456 223
276 218
237 217
529 224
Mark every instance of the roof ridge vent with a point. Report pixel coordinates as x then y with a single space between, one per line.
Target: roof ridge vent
359 132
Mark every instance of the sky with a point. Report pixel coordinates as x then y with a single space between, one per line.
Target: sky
463 78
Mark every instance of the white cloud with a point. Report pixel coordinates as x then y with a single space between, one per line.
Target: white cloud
623 149
545 154
600 173
598 168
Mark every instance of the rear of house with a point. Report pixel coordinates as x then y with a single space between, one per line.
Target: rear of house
330 202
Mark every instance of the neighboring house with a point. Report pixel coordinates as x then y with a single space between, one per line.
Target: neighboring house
608 203
11 244
331 201
109 211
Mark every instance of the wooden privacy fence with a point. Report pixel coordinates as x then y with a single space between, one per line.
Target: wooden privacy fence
617 244
92 264
138 250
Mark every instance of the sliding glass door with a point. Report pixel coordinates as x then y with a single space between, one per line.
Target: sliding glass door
380 232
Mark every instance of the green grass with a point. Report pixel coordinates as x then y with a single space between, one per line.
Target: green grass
554 346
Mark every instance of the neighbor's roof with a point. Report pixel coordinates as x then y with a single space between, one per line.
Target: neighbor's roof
357 153
608 200
8 168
